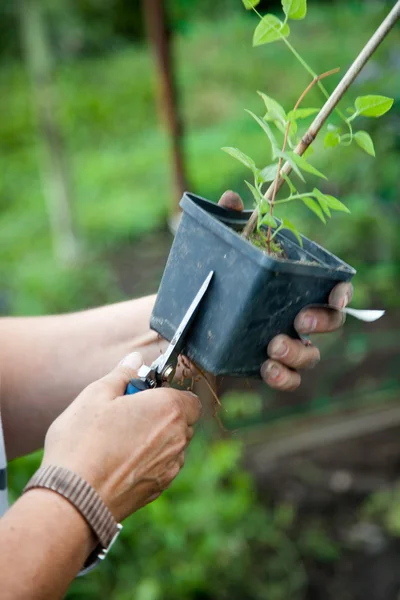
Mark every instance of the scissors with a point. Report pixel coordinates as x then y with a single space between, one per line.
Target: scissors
162 370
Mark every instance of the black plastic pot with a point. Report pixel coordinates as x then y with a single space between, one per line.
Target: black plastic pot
252 296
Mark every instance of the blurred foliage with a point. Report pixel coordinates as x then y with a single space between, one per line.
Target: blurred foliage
203 537
87 27
383 509
119 156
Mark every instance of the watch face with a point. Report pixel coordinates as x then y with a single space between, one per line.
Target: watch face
104 551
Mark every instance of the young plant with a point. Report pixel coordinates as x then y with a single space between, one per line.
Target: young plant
276 123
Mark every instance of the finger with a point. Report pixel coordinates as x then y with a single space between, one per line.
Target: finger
134 360
172 473
189 433
231 200
280 377
153 497
181 459
114 384
293 353
190 405
318 320
341 295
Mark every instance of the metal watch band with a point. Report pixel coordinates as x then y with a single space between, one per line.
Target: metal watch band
83 497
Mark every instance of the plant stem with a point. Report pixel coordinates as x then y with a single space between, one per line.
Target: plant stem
299 58
278 172
313 74
330 104
293 197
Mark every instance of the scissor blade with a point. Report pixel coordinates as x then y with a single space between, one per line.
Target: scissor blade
176 343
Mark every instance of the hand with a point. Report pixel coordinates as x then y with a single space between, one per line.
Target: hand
129 448
288 356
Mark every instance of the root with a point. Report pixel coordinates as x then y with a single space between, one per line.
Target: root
188 372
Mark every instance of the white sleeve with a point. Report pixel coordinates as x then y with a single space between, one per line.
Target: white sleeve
3 474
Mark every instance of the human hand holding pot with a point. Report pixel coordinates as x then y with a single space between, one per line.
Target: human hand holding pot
288 356
128 448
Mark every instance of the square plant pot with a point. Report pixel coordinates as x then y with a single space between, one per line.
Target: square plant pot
252 297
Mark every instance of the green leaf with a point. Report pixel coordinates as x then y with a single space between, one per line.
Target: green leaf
269 220
264 125
301 113
305 165
264 206
293 127
322 201
373 106
276 112
270 29
332 139
289 182
326 201
269 173
350 110
249 4
257 177
256 194
335 204
243 158
314 207
288 158
289 225
295 9
365 142
309 151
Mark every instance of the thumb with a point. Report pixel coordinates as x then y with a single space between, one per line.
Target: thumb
134 361
118 379
231 200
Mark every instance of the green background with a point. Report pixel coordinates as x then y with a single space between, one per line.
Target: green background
214 534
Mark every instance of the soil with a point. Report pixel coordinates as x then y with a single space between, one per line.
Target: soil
259 239
329 486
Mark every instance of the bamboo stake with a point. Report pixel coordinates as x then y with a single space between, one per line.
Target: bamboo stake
330 104
278 171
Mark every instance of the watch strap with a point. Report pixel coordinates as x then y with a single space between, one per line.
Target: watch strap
84 498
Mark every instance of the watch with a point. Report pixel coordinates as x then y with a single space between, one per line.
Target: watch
85 499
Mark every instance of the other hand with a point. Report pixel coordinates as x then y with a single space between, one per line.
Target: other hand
287 357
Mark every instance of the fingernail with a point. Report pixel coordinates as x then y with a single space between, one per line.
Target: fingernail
231 200
305 340
133 360
308 323
341 301
313 363
272 371
279 349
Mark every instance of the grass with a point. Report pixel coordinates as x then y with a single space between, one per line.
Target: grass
118 153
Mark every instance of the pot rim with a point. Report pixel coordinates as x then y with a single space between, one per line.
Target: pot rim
225 223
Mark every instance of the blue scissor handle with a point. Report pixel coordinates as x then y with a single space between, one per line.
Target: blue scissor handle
135 386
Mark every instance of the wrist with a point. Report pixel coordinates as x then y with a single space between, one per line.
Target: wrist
65 514
84 498
89 471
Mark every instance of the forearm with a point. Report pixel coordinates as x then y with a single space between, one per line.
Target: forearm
46 361
44 542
